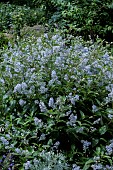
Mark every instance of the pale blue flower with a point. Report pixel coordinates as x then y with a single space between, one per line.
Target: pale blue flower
27 165
37 121
97 121
54 75
42 106
56 145
72 120
8 136
56 48
36 102
68 113
110 116
108 167
43 89
109 149
2 81
86 144
75 167
42 137
51 102
17 150
20 87
4 141
76 97
96 158
110 95
22 102
97 166
66 77
72 100
94 108
51 82
85 49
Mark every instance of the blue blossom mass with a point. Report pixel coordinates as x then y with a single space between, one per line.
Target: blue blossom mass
56 104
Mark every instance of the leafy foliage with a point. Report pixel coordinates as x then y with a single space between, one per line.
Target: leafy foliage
87 18
13 18
3 40
79 18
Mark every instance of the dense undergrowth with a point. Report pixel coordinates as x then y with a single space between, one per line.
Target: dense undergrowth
56 92
88 17
13 18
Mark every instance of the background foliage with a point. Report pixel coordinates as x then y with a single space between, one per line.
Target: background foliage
86 18
13 18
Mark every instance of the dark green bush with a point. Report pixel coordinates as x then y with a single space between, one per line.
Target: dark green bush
16 2
86 18
13 18
31 3
3 40
89 18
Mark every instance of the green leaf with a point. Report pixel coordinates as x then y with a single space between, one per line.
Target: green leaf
87 164
86 167
98 150
109 111
82 115
109 28
103 130
95 142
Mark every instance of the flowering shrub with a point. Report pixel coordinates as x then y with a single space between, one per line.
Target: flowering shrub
56 105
